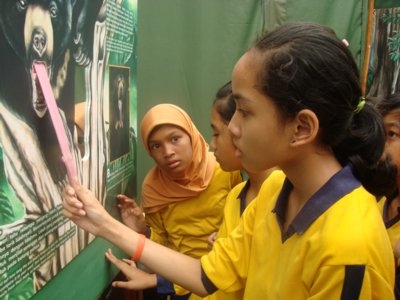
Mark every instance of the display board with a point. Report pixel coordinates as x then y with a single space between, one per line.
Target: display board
89 50
383 76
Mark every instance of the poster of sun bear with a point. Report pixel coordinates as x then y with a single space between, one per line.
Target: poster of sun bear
89 50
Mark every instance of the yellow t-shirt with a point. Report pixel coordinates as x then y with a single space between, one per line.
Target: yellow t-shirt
336 242
185 226
232 215
232 211
393 225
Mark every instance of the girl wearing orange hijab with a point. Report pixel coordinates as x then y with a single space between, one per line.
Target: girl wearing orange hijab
183 196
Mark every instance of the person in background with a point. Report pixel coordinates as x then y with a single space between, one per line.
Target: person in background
221 143
389 107
183 196
242 194
314 230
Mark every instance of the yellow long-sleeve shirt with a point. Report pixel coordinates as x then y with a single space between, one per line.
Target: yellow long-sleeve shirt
185 226
336 244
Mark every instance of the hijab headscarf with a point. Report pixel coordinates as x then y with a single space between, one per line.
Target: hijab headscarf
160 188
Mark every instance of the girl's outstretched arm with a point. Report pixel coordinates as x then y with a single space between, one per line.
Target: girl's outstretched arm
82 207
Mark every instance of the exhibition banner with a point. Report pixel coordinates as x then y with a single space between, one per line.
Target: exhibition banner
88 49
383 76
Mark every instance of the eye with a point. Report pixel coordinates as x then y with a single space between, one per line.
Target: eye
175 139
21 5
391 134
242 112
214 132
154 146
53 10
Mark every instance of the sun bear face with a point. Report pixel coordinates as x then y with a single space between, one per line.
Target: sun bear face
37 31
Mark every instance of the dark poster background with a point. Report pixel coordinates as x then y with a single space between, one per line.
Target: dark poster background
89 48
384 62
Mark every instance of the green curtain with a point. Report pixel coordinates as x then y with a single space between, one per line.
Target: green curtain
348 18
187 49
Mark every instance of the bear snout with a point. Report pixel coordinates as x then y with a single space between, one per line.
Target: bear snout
39 41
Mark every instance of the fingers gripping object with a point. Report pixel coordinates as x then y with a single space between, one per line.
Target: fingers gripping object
47 91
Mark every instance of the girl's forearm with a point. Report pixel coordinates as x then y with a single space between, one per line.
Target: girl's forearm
174 266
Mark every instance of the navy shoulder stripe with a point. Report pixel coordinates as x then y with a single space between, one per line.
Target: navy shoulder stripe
353 280
208 285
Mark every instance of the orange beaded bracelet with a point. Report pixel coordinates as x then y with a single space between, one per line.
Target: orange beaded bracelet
139 247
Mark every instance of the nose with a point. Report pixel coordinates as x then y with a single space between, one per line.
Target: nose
39 41
212 144
168 150
233 126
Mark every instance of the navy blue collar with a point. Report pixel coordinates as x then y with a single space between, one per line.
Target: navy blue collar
242 196
339 185
389 199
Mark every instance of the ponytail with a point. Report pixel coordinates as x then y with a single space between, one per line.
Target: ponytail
362 147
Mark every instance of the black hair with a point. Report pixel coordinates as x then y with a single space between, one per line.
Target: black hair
389 103
224 102
306 66
385 105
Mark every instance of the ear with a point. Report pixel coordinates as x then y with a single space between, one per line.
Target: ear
306 127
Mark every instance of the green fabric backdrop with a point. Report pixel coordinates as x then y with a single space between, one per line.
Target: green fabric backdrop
187 49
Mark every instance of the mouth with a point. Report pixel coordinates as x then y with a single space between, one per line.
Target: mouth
38 101
238 152
216 156
173 164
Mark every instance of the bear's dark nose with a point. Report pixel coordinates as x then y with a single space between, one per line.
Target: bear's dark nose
39 41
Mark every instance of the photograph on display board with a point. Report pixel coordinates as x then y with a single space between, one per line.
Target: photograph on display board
383 76
119 111
76 41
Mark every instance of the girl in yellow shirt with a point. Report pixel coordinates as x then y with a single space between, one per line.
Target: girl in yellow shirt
183 196
242 194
